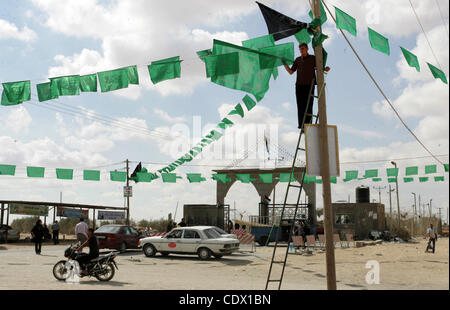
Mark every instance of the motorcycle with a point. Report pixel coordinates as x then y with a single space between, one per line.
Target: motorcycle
101 267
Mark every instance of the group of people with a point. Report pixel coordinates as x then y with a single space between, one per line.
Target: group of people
171 225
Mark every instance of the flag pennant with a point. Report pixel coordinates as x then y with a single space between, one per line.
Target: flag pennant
47 91
379 42
165 69
411 59
345 21
437 73
16 92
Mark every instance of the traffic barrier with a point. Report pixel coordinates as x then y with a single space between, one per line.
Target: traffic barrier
238 232
158 234
247 239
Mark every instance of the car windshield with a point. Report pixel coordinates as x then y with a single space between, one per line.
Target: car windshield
108 229
211 233
220 231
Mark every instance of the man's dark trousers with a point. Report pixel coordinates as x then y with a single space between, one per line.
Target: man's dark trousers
303 95
56 236
431 241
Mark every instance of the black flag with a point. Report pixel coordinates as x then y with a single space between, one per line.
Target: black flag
281 26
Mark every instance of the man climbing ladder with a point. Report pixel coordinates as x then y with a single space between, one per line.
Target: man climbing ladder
305 65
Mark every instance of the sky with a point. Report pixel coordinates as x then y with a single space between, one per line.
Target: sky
151 123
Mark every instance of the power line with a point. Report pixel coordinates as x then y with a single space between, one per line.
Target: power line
381 91
442 17
426 36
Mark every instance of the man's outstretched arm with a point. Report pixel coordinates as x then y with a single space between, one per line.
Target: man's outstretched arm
289 69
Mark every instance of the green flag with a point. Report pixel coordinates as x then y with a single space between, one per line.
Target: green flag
91 175
47 91
351 175
437 73
378 42
439 179
238 110
303 36
35 172
118 176
225 123
377 179
16 92
64 174
113 80
333 180
195 178
370 174
323 14
446 167
392 180
249 102
392 172
266 178
145 177
431 169
204 53
165 69
318 39
133 77
221 177
408 180
67 85
412 171
170 177
423 180
218 65
284 177
88 83
411 59
7 170
276 56
261 42
345 21
244 178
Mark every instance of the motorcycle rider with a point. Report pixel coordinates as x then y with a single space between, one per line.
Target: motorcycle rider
84 258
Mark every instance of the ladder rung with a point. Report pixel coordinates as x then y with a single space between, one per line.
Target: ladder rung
302 149
312 115
277 262
274 281
297 186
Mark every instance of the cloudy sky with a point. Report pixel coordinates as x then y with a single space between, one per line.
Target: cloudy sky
48 38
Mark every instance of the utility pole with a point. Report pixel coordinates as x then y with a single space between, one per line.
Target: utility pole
414 213
325 163
431 209
390 207
420 208
128 196
398 198
379 192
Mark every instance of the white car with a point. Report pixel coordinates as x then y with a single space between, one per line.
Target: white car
201 240
223 233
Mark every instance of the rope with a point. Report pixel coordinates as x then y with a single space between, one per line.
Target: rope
381 91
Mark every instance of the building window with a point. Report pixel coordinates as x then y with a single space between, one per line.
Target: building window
344 219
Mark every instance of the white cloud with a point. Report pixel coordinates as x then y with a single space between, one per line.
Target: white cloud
167 118
17 120
10 31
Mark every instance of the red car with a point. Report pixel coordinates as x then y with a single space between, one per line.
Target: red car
118 237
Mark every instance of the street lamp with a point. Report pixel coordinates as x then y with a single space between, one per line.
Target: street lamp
398 198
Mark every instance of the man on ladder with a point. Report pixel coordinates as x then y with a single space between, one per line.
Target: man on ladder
305 65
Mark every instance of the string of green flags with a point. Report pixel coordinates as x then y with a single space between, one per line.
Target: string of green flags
392 175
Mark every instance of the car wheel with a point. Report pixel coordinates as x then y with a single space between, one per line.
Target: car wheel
149 250
204 253
123 247
218 256
165 254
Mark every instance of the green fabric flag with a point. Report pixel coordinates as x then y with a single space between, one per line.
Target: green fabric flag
333 180
411 59
424 180
133 76
323 14
377 179
261 42
251 78
276 56
145 177
221 177
446 167
392 172
88 83
113 80
303 36
91 175
244 178
408 180
319 181
64 174
345 21
309 179
67 85
218 65
214 135
47 91
284 177
238 110
204 53
225 123
118 176
170 177
370 174
249 102
7 170
165 69
318 39
412 171
195 178
378 42
431 169
16 92
439 179
35 172
351 175
266 178
392 180
437 73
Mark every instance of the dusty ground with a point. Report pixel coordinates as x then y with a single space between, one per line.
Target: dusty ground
402 266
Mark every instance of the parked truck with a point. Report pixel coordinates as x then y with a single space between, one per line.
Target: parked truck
266 234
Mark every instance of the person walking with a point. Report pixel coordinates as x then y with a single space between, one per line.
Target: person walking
81 230
432 237
305 66
55 230
37 233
